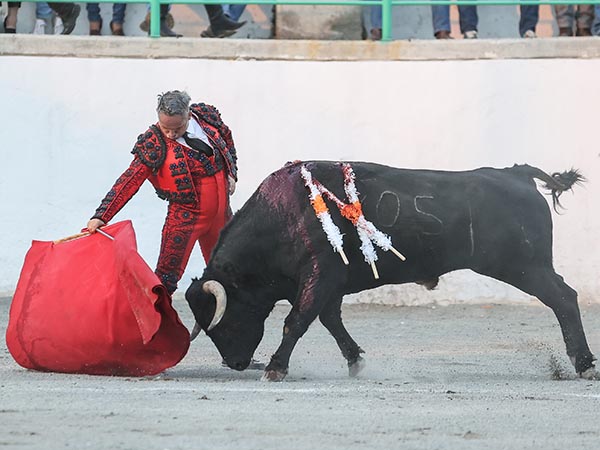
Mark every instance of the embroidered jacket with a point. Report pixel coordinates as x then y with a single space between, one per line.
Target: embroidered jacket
172 168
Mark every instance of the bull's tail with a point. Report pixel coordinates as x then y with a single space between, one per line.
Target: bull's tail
557 183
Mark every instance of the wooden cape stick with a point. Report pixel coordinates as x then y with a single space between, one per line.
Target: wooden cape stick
83 234
74 236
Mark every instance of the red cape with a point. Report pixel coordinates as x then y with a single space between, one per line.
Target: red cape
92 305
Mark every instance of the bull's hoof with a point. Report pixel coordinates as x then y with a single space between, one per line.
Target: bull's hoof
255 365
590 374
356 367
274 375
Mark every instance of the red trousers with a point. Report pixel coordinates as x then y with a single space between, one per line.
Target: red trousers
184 227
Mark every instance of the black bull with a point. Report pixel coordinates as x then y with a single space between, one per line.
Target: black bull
492 221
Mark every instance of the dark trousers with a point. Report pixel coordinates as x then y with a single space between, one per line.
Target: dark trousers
214 12
62 9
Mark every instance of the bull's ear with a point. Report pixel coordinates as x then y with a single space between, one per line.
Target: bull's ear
194 290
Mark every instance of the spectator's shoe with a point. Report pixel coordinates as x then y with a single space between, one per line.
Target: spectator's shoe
145 24
59 27
442 34
375 34
116 29
208 33
529 34
583 32
96 28
224 26
70 19
471 34
254 365
165 30
39 27
9 30
565 31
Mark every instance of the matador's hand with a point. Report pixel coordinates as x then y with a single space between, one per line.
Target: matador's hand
94 224
231 184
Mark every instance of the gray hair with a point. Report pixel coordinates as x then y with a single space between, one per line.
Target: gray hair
173 103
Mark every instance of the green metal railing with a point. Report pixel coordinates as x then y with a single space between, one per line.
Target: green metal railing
386 6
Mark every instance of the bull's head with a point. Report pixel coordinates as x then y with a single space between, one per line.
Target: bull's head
231 324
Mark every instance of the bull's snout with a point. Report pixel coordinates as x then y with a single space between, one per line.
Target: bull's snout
238 364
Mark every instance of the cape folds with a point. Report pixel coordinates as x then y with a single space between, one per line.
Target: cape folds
93 306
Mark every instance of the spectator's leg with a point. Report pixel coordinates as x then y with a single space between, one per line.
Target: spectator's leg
43 18
10 21
94 18
469 20
165 29
440 16
43 11
371 16
220 25
118 18
234 12
68 12
528 21
596 24
584 18
145 24
564 19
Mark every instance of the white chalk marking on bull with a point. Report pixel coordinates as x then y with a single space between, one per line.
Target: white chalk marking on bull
381 239
379 206
367 232
331 230
471 235
420 211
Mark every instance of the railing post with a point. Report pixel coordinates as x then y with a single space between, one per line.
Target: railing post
155 18
386 20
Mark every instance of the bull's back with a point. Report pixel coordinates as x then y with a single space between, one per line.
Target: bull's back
441 221
444 220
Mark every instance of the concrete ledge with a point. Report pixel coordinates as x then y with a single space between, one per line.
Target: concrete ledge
297 50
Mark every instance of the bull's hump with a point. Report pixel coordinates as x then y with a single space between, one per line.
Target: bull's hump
279 187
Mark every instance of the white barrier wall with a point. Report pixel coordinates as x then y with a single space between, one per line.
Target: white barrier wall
69 124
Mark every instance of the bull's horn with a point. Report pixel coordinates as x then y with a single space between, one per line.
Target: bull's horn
215 288
195 332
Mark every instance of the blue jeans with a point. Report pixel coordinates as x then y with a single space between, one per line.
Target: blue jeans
374 13
43 11
529 18
93 11
234 12
596 24
440 15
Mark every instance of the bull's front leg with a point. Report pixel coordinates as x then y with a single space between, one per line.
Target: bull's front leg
296 324
313 295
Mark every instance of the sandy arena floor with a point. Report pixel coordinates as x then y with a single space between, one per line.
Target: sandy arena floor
455 377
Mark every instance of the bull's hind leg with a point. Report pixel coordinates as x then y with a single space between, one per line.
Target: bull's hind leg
331 318
551 289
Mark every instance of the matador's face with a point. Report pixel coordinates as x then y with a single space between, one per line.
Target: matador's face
173 127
